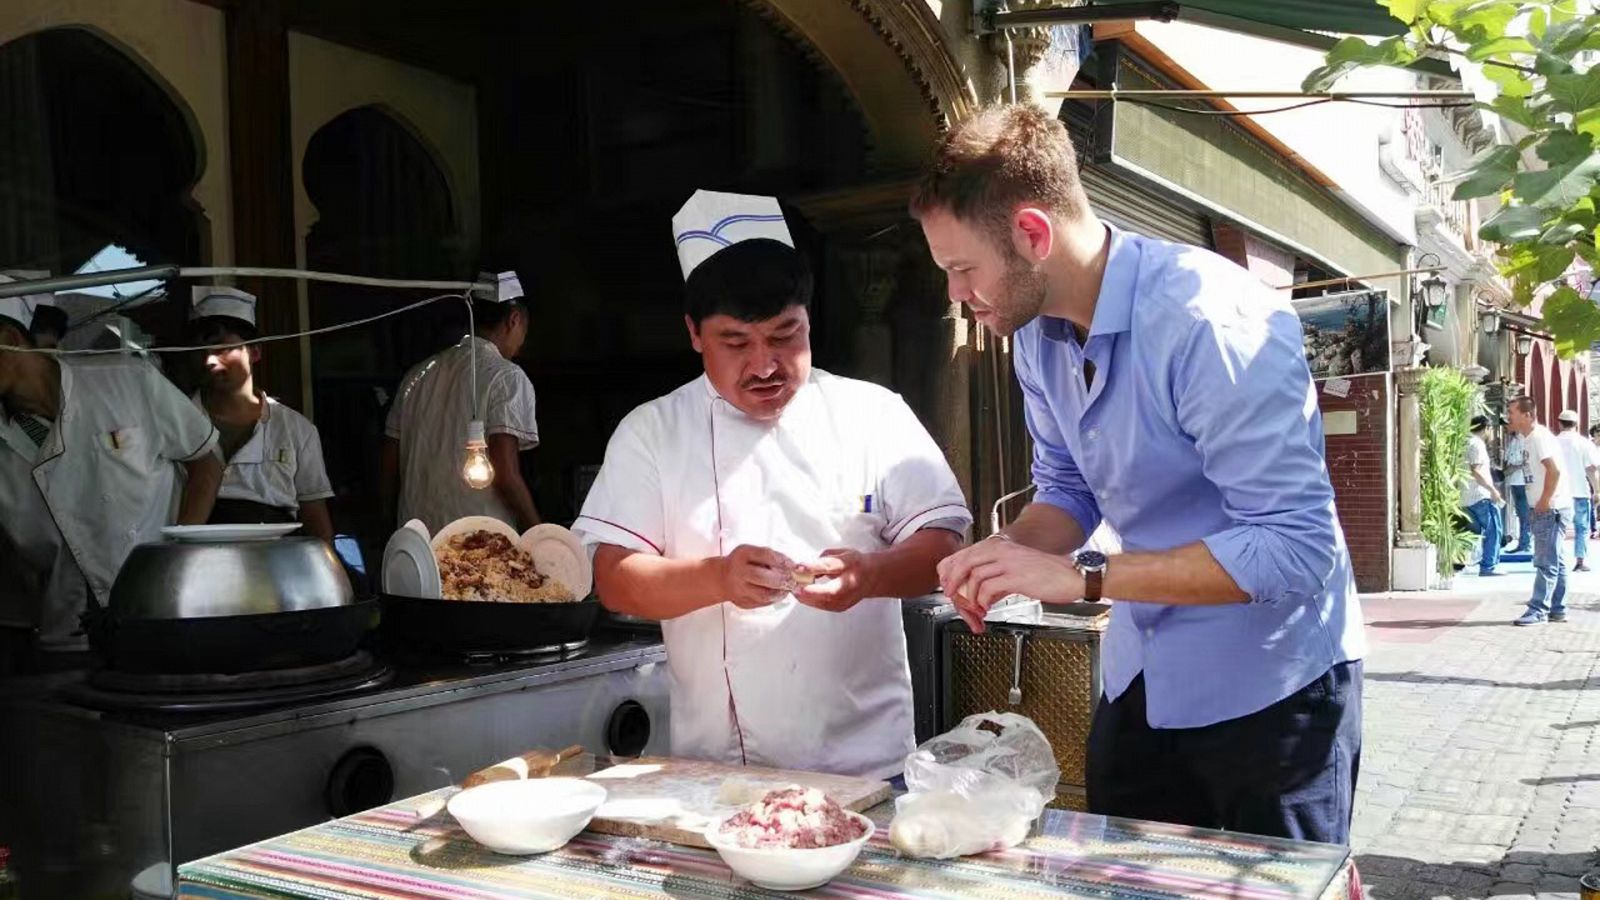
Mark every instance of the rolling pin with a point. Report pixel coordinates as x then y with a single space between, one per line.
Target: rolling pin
533 764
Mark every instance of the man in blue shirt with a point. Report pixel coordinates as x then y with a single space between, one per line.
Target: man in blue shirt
1167 394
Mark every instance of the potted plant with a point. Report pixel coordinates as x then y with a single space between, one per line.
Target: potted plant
1447 400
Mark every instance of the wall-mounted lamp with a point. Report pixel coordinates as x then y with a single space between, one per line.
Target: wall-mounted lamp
1434 291
1524 344
1489 322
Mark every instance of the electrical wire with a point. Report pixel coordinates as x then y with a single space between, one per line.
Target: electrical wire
1279 109
264 339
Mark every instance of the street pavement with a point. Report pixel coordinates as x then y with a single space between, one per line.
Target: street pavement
1480 769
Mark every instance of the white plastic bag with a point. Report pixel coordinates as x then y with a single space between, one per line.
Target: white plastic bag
975 788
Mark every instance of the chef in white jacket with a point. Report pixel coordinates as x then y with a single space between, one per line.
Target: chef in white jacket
89 453
770 514
273 454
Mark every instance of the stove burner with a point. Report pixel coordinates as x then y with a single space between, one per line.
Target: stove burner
547 653
112 690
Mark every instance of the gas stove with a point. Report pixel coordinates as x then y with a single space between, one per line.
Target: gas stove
105 775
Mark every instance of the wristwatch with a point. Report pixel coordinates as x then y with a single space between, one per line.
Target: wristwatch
1091 564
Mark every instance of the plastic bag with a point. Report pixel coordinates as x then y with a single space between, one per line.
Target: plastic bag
975 788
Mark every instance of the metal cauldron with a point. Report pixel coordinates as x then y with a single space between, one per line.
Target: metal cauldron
230 607
176 580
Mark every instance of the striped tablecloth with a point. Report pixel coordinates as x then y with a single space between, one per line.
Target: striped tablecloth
387 853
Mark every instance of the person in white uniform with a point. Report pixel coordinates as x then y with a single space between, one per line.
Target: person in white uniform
426 432
771 514
273 454
89 458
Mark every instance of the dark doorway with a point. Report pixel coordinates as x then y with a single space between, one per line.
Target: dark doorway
384 209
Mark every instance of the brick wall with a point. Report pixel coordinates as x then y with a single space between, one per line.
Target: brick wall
1361 465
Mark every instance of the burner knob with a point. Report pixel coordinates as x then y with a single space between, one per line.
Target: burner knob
628 729
360 780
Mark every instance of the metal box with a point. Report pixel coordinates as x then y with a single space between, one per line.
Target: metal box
1058 674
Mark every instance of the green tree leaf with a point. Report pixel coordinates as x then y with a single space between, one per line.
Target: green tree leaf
1488 173
1537 21
1564 146
1559 186
1498 47
1511 82
1574 93
1588 122
1512 224
1404 10
1516 109
1553 262
1563 233
1574 321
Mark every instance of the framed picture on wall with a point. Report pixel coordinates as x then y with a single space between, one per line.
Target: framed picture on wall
1345 333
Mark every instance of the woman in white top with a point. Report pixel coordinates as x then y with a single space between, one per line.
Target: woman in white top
273 454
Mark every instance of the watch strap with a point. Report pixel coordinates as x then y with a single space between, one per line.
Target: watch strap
1092 581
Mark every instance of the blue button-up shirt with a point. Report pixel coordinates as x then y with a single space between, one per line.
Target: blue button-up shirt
1201 425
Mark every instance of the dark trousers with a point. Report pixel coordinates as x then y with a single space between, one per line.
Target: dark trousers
1286 771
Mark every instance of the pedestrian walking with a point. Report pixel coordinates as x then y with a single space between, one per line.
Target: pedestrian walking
1552 516
1579 454
1481 499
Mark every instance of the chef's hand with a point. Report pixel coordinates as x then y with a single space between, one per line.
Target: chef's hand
975 578
753 577
841 580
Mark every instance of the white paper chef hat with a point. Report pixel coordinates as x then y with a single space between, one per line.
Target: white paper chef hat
20 309
712 220
508 287
214 300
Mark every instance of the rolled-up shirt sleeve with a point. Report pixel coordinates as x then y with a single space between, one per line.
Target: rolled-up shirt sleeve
1056 475
1245 396
918 488
625 506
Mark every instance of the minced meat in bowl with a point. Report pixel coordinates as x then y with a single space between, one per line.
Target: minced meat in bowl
795 818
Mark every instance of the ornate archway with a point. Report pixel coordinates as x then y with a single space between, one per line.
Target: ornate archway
893 58
96 150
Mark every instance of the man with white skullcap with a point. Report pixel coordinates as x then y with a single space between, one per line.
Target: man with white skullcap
273 454
89 456
772 515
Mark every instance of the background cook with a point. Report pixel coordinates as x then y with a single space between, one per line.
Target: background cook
89 450
709 495
273 454
427 425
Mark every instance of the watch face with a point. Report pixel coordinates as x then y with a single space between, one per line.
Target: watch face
1090 559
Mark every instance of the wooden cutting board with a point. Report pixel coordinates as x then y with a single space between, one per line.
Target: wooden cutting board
675 800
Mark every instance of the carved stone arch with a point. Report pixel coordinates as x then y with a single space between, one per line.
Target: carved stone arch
895 63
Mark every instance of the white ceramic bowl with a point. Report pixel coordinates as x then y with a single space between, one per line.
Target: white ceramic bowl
783 869
533 815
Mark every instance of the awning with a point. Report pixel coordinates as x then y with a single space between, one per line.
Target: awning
1336 16
1309 23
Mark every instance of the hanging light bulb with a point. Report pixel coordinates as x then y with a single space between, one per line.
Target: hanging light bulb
476 470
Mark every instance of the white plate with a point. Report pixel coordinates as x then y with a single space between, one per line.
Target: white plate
559 554
202 534
473 523
409 567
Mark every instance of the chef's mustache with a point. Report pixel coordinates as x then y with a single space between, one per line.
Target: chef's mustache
752 383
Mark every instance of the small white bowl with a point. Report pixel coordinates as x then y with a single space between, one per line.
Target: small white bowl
786 869
532 815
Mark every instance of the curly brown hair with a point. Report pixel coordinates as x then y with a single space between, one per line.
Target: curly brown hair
1004 157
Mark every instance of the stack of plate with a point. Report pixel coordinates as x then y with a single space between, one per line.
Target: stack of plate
410 568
